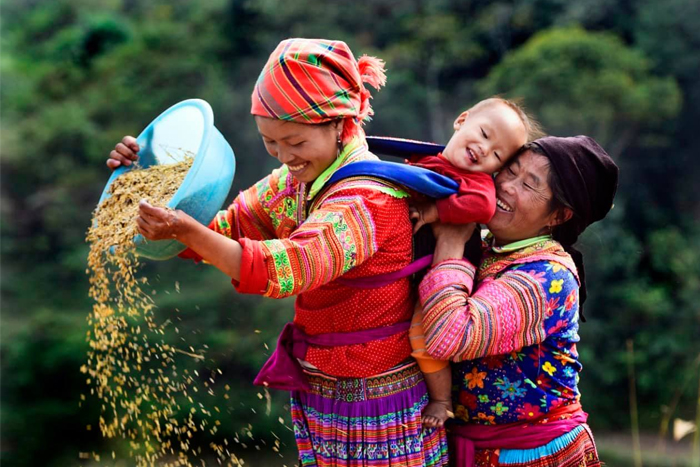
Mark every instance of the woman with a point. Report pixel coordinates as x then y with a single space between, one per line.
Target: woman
357 396
513 335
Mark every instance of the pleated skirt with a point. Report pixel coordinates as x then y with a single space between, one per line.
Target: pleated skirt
375 421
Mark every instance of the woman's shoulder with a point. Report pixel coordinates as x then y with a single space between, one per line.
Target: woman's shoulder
545 258
365 185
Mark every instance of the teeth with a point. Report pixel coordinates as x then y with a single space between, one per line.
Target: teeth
472 156
295 168
503 205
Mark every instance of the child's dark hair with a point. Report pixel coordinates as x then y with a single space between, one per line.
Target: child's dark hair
532 126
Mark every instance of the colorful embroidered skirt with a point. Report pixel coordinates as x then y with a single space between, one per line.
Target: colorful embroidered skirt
376 421
574 449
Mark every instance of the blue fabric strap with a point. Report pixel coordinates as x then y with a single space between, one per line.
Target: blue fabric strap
417 179
399 147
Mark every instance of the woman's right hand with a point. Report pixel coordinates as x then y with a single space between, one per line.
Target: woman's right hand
124 153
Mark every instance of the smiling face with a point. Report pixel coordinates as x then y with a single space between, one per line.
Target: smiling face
485 138
307 150
523 198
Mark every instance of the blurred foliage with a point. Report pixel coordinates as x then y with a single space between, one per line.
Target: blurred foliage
77 75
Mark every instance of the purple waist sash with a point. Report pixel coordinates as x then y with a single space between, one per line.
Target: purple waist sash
283 371
380 280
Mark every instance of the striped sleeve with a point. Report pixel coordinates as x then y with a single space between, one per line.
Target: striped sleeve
502 315
248 216
342 233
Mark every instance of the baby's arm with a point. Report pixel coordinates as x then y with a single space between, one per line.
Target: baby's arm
475 201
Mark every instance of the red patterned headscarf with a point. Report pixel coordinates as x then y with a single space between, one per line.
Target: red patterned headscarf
315 81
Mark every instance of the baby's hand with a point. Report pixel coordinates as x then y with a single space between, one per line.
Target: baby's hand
423 212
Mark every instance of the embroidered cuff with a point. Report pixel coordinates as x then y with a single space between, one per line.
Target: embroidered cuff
447 273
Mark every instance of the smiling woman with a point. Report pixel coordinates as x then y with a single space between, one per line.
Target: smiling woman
306 150
512 325
357 395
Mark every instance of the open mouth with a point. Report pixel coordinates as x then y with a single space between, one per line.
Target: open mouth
502 204
297 168
472 157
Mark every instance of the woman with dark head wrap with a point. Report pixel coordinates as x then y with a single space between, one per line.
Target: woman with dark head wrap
511 327
357 395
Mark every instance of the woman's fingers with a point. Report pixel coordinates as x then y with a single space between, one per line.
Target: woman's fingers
124 153
157 223
152 212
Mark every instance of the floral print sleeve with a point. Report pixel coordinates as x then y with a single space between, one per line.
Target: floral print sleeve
520 307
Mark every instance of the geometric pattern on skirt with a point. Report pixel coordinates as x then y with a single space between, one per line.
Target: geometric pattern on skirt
375 421
574 449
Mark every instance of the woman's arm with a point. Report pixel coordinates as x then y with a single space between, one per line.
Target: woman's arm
503 315
156 223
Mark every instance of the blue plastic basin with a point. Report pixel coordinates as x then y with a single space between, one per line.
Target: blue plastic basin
186 127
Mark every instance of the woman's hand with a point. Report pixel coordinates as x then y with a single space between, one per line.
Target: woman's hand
124 153
156 223
451 239
423 212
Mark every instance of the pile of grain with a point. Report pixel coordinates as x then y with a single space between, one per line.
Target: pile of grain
130 368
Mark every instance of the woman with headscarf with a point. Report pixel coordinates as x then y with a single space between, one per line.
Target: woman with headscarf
511 326
357 395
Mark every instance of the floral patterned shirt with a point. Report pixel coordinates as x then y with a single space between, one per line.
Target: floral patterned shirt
513 337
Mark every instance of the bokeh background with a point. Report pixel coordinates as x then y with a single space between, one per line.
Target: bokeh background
77 75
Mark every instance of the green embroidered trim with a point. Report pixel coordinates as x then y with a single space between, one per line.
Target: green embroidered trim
282 180
515 246
393 192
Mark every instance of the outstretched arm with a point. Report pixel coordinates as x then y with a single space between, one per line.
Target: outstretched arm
156 223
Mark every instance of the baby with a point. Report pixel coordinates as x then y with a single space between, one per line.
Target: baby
486 137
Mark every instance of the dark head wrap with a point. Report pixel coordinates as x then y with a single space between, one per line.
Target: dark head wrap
589 180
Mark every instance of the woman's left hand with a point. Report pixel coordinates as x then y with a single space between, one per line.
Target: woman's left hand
451 239
156 223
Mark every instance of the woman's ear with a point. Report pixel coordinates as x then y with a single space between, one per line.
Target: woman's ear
460 120
564 215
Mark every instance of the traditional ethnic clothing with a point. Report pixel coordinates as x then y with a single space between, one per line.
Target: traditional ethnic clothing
316 81
514 338
299 240
364 405
589 180
474 201
379 419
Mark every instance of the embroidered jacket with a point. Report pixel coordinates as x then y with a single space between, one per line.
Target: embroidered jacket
298 239
513 337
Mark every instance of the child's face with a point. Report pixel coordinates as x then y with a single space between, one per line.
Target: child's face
485 139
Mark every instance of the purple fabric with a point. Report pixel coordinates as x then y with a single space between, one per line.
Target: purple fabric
468 438
380 280
283 371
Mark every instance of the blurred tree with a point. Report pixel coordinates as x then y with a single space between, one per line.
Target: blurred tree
595 85
79 74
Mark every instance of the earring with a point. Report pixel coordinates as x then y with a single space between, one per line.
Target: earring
340 146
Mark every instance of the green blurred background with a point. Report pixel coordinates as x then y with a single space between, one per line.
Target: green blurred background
77 75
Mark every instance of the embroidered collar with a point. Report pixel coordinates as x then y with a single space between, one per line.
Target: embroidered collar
515 246
543 248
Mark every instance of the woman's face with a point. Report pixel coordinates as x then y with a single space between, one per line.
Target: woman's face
522 200
306 149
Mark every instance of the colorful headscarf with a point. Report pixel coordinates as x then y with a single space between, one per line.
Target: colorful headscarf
316 81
